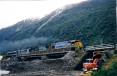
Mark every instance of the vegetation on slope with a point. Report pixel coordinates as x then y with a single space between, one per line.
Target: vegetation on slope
93 22
109 69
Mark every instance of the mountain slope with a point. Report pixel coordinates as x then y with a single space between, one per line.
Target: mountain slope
93 22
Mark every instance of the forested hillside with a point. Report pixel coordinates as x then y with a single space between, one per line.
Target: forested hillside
93 22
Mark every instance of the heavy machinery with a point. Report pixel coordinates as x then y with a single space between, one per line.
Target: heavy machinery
92 64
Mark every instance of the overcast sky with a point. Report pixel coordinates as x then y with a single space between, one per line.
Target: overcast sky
13 11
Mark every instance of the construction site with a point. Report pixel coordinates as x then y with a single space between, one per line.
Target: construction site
67 58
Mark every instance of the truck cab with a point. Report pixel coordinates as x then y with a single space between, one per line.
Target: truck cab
90 64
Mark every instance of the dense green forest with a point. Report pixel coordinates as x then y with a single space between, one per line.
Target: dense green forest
93 22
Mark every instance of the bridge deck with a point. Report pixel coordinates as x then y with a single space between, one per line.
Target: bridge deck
43 53
102 47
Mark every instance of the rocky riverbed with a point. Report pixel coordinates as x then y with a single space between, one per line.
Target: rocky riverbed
47 73
48 67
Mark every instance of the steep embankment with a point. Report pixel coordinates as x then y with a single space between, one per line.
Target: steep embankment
109 69
93 22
